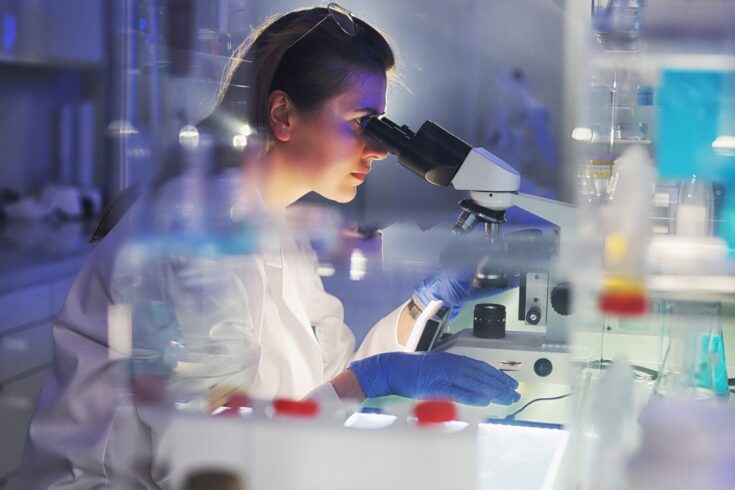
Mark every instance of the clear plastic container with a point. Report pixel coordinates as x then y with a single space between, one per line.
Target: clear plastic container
290 444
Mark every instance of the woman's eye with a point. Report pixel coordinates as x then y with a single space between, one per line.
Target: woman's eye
359 122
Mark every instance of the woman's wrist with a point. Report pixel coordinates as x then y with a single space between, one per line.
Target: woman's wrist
407 320
414 308
347 386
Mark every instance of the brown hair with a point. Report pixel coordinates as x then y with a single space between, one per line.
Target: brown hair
311 64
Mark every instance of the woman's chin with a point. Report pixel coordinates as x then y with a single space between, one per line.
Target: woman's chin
342 196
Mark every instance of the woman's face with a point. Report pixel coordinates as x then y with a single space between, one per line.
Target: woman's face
329 153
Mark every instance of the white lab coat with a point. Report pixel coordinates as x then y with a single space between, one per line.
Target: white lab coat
284 332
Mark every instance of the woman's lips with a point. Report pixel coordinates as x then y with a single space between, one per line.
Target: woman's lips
359 176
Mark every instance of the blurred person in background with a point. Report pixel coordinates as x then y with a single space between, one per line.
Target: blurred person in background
517 127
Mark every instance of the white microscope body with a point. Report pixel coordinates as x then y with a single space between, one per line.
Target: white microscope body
529 356
442 159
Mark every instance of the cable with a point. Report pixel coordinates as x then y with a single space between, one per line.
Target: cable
512 415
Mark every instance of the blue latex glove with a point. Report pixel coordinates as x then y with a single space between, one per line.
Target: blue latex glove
449 288
435 375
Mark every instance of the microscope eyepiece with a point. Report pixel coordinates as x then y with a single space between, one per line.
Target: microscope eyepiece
432 153
395 139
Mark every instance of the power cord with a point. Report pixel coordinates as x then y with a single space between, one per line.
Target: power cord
512 415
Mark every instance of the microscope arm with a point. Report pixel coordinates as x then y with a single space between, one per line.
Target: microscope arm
482 170
556 212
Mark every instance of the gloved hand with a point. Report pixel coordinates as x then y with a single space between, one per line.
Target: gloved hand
452 290
435 375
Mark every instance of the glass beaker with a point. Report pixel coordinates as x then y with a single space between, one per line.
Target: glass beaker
694 361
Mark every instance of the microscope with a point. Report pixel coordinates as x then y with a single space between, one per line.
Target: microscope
442 159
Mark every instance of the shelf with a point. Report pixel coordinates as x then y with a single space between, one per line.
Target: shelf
648 62
47 64
693 287
33 253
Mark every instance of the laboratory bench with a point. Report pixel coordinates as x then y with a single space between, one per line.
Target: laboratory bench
38 262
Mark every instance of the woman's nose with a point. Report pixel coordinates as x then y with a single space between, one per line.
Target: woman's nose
374 150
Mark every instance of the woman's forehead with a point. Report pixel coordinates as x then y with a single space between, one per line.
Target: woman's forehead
365 91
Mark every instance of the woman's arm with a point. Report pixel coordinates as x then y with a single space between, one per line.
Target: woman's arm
347 386
406 320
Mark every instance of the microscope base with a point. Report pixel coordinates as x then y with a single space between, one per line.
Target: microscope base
525 356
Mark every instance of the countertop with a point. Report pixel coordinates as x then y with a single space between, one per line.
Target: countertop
34 252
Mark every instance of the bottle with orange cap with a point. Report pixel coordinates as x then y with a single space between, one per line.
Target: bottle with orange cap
626 224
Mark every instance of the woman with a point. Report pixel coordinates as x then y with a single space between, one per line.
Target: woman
316 75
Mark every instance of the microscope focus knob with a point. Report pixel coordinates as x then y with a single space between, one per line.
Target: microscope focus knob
533 315
543 367
561 298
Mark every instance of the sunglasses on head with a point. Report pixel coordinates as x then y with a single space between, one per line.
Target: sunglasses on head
338 14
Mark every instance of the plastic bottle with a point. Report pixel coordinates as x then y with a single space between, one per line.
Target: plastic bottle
627 229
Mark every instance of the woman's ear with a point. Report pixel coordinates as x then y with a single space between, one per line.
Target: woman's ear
280 114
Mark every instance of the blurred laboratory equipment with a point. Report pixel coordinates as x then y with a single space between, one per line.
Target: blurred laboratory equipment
652 260
178 328
683 444
605 432
626 227
319 445
187 221
170 267
619 114
431 444
656 224
694 365
194 212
